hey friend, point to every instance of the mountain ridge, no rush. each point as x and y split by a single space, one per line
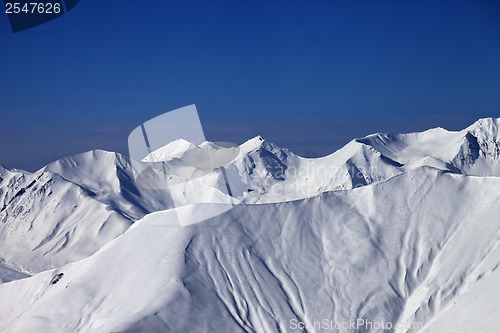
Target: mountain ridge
261 173
391 227
228 273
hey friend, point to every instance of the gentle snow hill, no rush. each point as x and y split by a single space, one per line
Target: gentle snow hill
399 250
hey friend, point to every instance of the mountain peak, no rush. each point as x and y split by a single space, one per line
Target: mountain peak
487 134
256 140
170 151
256 143
3 170
485 125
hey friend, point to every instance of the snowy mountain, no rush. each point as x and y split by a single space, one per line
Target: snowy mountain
341 255
174 149
472 151
68 210
398 229
47 221
277 174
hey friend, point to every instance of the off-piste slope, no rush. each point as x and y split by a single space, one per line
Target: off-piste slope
47 221
399 251
72 207
111 178
69 209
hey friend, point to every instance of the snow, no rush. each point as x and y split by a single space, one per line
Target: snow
47 222
174 149
8 274
473 151
476 309
341 255
3 171
390 228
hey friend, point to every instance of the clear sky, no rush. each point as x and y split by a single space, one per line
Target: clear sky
308 75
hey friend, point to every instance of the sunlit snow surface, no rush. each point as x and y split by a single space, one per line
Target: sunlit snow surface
391 228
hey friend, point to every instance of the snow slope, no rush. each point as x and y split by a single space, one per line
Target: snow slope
174 149
472 151
398 251
265 173
40 230
409 235
72 207
46 222
277 174
68 210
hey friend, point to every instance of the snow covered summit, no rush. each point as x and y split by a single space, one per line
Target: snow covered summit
391 228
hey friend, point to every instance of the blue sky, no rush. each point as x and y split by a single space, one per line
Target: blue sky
308 75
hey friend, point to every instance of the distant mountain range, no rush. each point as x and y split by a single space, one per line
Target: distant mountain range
391 228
